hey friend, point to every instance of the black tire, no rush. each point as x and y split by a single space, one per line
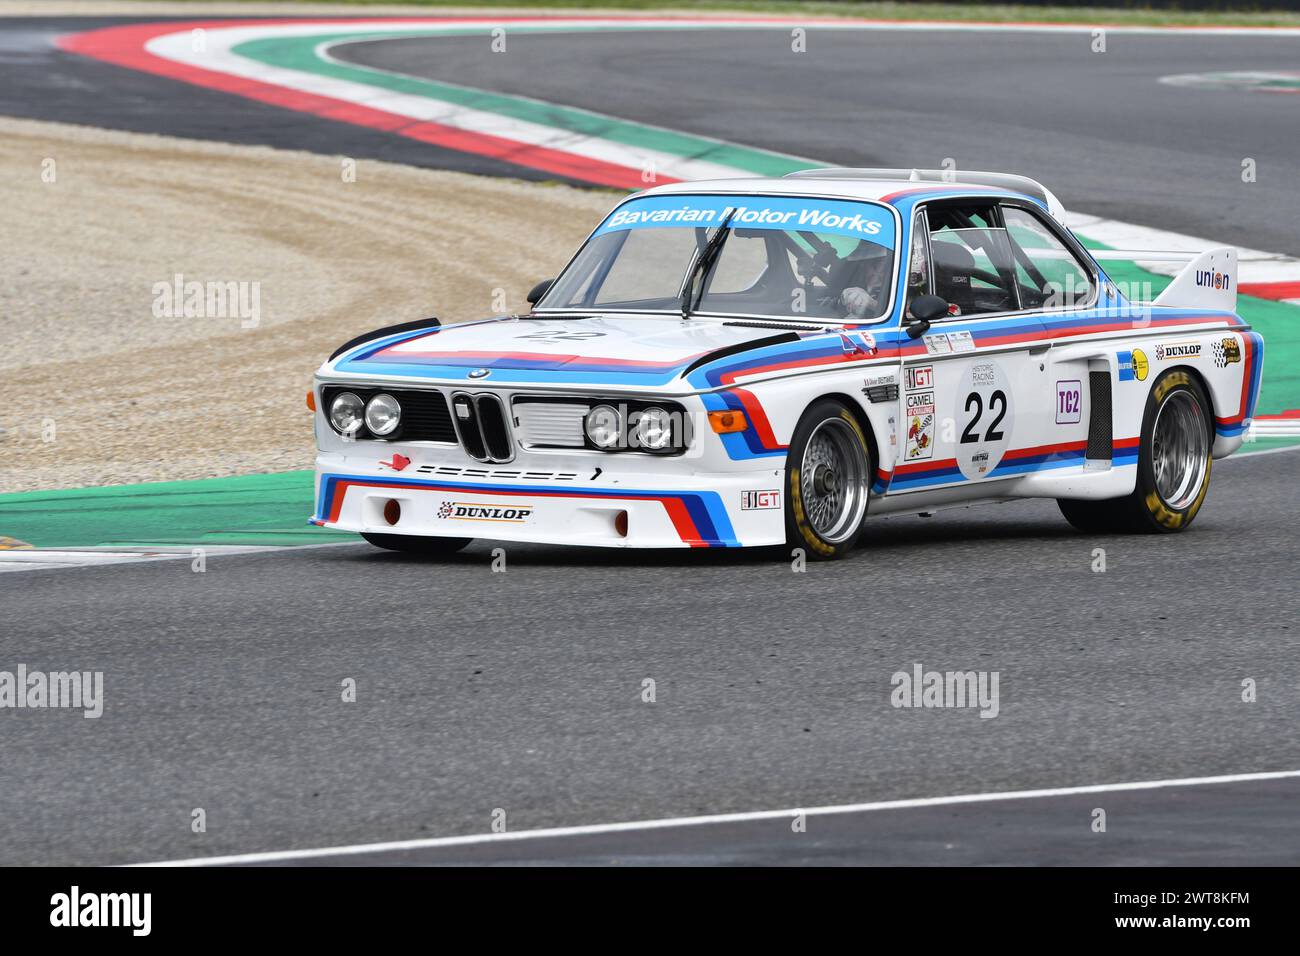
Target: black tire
814 521
1148 509
417 544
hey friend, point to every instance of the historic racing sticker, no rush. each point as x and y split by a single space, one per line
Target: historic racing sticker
985 418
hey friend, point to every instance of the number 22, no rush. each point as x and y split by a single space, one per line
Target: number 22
974 400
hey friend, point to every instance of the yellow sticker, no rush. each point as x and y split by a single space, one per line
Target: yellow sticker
1140 365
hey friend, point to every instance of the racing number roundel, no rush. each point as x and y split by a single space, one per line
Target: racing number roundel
985 415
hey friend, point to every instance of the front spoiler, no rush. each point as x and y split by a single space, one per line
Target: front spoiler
694 511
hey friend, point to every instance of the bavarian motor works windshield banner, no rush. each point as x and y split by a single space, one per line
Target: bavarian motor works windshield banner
860 220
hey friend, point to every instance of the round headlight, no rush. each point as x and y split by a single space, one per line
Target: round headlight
602 426
345 413
654 429
382 414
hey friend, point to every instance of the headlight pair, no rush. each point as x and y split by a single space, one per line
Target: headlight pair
381 415
648 429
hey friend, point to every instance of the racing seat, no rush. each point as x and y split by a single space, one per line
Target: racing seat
953 267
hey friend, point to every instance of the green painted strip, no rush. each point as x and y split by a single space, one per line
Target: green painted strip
251 509
300 53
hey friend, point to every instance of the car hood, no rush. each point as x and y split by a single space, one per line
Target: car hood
616 350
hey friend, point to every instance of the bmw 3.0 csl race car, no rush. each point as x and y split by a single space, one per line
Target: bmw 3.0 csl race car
766 361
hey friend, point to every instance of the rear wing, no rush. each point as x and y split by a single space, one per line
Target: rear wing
1208 281
962 177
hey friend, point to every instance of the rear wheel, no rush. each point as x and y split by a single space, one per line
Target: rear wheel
416 544
827 481
1174 461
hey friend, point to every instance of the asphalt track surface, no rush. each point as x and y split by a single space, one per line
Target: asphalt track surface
522 691
1098 128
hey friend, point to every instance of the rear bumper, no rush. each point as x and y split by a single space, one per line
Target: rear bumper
662 510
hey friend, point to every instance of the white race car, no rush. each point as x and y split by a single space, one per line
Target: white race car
767 361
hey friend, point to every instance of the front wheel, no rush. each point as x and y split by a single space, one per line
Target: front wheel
417 544
1174 460
828 472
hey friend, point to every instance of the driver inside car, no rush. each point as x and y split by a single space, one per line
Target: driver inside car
862 276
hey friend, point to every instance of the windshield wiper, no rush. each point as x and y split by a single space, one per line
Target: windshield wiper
690 301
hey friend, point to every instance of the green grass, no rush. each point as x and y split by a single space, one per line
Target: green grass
992 12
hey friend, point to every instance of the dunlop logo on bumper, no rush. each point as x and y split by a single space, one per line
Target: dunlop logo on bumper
473 511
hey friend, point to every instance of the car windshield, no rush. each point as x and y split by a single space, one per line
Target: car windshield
783 256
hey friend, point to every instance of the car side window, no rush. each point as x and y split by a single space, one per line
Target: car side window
1047 272
971 259
918 266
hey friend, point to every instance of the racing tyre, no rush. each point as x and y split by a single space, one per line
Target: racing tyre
828 479
417 544
1173 466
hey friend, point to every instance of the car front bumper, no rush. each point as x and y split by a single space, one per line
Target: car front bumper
618 509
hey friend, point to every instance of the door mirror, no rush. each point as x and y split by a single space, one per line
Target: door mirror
924 310
539 290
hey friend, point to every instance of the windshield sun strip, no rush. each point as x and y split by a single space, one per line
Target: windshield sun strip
884 316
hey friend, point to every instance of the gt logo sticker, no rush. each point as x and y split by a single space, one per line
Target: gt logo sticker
1227 352
472 511
920 413
989 418
1069 402
921 376
760 500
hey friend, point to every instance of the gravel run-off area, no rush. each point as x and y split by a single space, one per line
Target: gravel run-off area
107 380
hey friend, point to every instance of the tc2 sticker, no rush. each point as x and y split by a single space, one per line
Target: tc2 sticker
1069 402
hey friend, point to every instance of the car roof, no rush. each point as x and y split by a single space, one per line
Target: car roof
879 185
875 189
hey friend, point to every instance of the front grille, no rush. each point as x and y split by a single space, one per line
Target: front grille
480 421
425 416
1100 436
551 424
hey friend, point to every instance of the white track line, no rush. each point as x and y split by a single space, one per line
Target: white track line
714 819
1250 454
43 559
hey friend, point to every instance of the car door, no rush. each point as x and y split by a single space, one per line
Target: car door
1054 283
974 389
